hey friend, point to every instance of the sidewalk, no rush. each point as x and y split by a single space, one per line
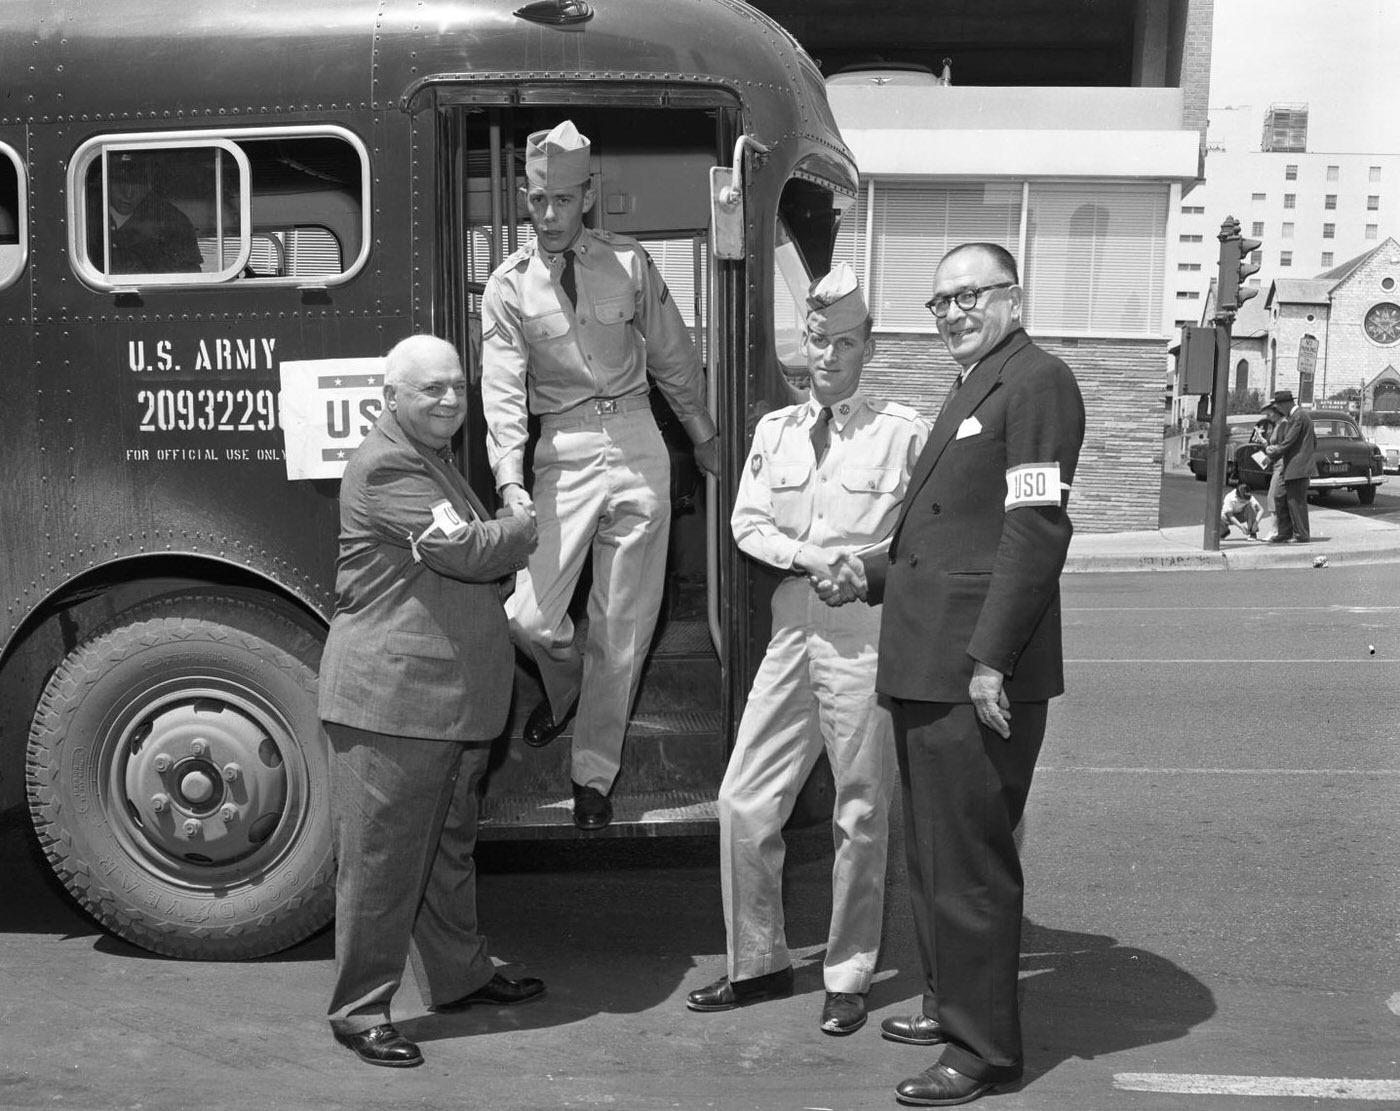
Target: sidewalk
1340 538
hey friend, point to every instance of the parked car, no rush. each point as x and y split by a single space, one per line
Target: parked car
1390 459
1345 461
1240 427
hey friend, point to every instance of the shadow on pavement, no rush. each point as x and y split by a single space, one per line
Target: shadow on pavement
1085 996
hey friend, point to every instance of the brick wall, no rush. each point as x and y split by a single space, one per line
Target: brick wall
1120 468
1195 69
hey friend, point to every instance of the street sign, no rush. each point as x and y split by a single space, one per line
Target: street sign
1307 355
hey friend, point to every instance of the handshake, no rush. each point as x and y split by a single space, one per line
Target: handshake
836 574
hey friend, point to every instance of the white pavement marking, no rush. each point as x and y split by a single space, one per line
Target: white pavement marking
1350 661
1304 1087
1215 771
1394 1003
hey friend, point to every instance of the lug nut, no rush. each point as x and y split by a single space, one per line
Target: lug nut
228 813
161 763
232 773
192 827
199 746
160 803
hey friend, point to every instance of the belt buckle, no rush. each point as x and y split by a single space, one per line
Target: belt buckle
605 406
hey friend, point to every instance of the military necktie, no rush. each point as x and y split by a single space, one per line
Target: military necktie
567 281
821 433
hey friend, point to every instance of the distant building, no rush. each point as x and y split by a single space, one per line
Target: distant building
1285 129
1311 210
1333 339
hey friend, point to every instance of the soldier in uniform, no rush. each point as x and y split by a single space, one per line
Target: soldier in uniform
824 484
571 326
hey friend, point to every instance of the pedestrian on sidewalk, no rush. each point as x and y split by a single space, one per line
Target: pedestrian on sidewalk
1241 509
1294 445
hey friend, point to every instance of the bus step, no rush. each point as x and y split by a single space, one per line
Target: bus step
680 812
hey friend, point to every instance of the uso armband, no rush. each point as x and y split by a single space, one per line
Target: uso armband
1033 484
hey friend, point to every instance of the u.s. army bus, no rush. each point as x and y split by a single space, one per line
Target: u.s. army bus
214 219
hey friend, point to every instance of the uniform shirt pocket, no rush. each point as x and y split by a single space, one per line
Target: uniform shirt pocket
546 326
615 310
424 645
872 496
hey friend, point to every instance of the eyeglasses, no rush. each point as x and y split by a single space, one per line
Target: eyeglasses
966 299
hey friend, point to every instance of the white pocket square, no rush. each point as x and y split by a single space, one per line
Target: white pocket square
969 427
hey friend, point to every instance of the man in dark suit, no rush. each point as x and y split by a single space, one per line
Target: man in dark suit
415 682
969 657
1295 444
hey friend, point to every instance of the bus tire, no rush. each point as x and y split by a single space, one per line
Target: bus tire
177 779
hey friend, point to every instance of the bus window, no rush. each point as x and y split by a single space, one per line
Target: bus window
808 215
12 217
273 204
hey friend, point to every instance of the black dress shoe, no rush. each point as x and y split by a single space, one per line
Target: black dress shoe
540 726
843 1013
499 991
914 1030
592 809
941 1086
382 1045
725 995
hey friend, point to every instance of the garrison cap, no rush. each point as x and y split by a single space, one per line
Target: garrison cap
557 159
835 303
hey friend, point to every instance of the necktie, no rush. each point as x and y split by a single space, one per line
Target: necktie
821 433
566 279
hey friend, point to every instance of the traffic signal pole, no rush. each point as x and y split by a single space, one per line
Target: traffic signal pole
1230 294
1217 447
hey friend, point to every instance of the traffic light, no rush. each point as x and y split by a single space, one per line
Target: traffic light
1235 266
1195 361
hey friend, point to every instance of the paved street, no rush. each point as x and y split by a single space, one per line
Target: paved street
1184 498
1213 861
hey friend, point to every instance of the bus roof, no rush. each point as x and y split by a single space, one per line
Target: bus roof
125 62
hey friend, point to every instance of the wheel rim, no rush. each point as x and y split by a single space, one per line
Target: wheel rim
201 778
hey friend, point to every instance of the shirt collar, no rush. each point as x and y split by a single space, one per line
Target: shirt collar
582 248
841 412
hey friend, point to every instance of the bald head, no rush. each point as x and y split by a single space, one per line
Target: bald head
416 351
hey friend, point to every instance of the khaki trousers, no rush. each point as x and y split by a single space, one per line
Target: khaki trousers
602 486
815 689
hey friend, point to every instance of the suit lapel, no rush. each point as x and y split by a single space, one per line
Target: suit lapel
958 407
455 482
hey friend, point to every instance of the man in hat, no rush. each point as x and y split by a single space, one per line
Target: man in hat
970 655
1294 445
571 326
146 234
821 490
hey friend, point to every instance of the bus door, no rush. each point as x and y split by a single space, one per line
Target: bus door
651 174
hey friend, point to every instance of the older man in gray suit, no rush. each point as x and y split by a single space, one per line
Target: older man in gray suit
415 682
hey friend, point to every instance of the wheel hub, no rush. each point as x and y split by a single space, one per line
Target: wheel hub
204 780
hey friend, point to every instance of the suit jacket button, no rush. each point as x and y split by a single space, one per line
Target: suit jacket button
913 559
937 509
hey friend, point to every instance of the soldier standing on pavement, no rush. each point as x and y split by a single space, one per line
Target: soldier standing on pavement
571 326
824 483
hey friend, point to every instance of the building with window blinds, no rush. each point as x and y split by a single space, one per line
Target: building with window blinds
1084 187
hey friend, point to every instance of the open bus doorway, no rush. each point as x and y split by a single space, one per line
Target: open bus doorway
651 176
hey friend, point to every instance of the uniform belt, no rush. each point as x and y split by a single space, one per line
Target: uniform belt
598 409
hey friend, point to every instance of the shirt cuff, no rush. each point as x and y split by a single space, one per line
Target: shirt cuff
510 469
699 428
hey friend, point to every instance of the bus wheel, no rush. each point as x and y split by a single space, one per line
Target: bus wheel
177 779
